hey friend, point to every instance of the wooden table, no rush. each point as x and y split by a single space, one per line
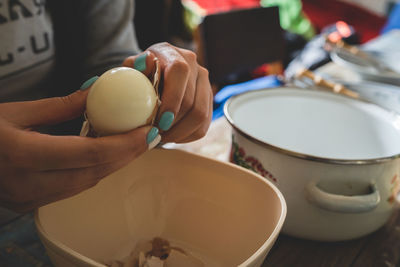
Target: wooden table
381 248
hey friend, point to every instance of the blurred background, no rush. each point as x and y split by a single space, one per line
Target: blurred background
255 44
237 42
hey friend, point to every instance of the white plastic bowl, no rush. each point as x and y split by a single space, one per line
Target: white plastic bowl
227 214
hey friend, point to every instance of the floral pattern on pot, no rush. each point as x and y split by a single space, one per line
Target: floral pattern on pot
239 157
395 189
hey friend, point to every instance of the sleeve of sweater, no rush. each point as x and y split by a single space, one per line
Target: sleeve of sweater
109 35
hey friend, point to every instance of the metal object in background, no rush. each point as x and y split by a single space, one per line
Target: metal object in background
325 84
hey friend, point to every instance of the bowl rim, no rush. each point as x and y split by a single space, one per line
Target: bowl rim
279 224
252 258
60 246
295 154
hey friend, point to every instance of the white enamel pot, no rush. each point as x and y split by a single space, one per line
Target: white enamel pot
335 159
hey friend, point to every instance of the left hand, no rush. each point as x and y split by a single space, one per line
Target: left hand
37 169
186 102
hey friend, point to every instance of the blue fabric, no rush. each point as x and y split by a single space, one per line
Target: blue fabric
231 90
20 245
393 21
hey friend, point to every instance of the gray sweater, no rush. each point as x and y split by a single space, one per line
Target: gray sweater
39 38
49 48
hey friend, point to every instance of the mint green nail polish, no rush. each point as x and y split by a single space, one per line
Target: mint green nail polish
140 62
88 83
152 135
166 120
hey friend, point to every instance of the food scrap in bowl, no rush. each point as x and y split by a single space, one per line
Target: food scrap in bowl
158 253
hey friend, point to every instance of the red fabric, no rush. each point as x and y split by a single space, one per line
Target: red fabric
323 13
216 6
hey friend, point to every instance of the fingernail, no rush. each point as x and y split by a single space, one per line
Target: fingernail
140 62
166 120
88 83
155 142
151 136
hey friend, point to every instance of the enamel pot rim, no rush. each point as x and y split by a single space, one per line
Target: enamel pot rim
294 153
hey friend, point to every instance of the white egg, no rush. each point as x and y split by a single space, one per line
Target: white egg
121 100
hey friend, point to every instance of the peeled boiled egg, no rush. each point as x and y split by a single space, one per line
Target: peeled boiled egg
121 100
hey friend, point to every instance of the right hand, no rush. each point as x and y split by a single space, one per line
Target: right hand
186 92
36 169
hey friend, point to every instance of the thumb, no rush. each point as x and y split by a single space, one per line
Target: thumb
45 111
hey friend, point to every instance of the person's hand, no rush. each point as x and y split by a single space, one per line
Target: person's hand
37 169
186 102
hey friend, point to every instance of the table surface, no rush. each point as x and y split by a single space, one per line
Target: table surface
381 248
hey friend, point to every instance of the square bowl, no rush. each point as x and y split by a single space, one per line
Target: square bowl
222 214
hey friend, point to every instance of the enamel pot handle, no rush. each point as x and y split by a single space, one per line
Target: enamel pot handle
342 203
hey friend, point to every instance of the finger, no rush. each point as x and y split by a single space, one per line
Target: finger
198 134
66 183
46 152
71 179
189 96
30 206
144 62
201 131
44 187
200 112
45 111
176 75
27 206
50 186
